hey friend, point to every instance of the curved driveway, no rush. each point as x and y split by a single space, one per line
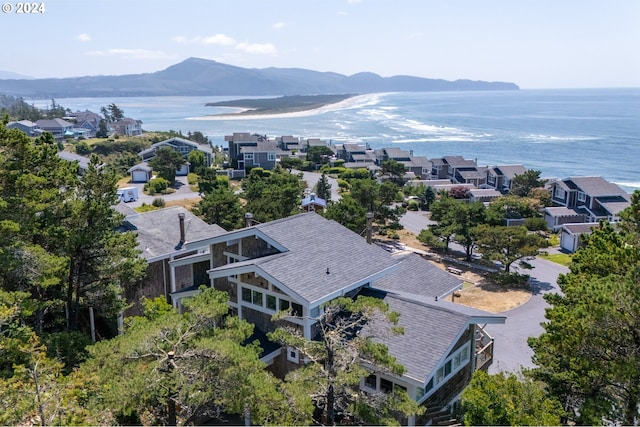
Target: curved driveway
511 351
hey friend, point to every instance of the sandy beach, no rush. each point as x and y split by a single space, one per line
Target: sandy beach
241 115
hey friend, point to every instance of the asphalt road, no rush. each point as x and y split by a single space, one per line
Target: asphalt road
511 351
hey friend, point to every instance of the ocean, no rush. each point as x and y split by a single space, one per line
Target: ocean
561 132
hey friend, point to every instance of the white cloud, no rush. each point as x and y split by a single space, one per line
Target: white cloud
129 53
278 25
218 39
84 37
257 48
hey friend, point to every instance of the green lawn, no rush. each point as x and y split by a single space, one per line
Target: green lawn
562 259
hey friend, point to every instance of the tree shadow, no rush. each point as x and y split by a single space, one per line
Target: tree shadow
538 287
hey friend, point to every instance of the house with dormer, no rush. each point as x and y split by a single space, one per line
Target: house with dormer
459 170
500 178
87 121
180 145
591 196
301 262
127 127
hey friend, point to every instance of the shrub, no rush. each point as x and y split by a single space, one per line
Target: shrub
413 205
157 185
343 185
158 202
535 224
192 178
83 148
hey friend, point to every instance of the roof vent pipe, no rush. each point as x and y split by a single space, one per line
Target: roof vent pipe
182 232
369 216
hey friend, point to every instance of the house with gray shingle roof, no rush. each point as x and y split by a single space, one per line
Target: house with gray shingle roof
180 145
162 236
301 262
59 128
26 126
593 196
501 177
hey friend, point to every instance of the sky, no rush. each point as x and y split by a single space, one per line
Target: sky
533 43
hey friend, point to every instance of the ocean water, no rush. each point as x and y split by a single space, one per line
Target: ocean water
568 132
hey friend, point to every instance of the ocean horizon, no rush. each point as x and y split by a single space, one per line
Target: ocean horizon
561 132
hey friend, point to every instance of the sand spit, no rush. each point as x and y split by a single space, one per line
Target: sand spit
342 105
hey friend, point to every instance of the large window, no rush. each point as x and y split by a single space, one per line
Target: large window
296 309
271 157
582 196
453 364
254 297
271 302
559 193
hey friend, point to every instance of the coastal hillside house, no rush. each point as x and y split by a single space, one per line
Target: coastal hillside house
289 143
162 235
299 144
126 127
303 261
418 166
356 156
458 170
182 146
27 126
264 155
239 140
59 128
87 120
501 177
593 196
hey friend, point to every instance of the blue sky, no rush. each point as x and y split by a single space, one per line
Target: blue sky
533 43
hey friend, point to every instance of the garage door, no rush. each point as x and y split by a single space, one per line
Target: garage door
139 176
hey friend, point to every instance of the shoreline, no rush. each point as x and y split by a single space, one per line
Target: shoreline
245 114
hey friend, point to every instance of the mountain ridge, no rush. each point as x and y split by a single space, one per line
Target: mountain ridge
203 77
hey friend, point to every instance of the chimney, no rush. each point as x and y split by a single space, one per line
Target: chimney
369 216
182 233
248 217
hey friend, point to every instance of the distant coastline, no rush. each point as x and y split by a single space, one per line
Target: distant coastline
284 106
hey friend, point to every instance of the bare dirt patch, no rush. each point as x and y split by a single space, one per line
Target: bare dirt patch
478 292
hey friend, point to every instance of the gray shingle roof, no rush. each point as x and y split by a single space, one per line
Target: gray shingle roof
581 228
315 244
159 231
509 171
418 276
430 330
595 186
